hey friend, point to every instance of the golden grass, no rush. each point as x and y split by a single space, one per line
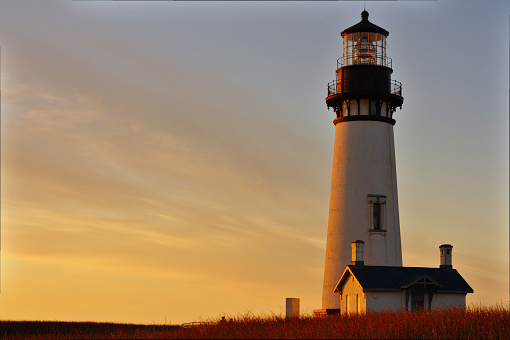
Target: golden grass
473 323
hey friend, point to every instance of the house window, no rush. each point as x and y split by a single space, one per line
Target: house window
376 209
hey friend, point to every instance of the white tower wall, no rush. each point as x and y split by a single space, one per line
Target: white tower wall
363 165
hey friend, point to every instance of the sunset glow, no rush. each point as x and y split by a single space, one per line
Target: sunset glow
170 161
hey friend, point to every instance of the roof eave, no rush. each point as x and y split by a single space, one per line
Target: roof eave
340 282
454 291
365 26
400 289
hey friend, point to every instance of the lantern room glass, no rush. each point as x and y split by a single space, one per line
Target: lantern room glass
365 48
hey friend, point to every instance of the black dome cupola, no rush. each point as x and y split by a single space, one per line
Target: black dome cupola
363 89
365 26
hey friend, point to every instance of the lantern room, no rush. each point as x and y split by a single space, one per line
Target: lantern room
364 48
365 44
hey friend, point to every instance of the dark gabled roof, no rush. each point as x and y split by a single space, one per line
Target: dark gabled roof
365 26
382 278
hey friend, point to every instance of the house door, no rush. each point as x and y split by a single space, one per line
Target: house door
417 301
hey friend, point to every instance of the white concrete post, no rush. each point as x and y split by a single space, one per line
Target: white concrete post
292 308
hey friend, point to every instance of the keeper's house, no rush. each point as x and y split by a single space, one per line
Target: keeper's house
377 288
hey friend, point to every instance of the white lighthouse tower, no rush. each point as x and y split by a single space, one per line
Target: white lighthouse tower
363 203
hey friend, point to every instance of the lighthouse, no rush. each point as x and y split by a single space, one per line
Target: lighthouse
363 201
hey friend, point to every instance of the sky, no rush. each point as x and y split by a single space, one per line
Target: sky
170 161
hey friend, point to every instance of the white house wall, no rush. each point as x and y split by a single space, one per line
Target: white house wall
448 300
352 299
381 301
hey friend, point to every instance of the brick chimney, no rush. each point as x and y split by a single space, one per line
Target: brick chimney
445 256
357 253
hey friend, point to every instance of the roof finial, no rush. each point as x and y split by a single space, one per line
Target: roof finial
364 15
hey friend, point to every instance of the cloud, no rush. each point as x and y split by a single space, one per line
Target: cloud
88 182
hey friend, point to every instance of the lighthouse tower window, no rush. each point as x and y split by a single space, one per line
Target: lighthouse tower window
376 210
377 215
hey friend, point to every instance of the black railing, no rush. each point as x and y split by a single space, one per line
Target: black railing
395 87
377 60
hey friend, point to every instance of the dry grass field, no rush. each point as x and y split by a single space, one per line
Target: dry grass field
475 323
